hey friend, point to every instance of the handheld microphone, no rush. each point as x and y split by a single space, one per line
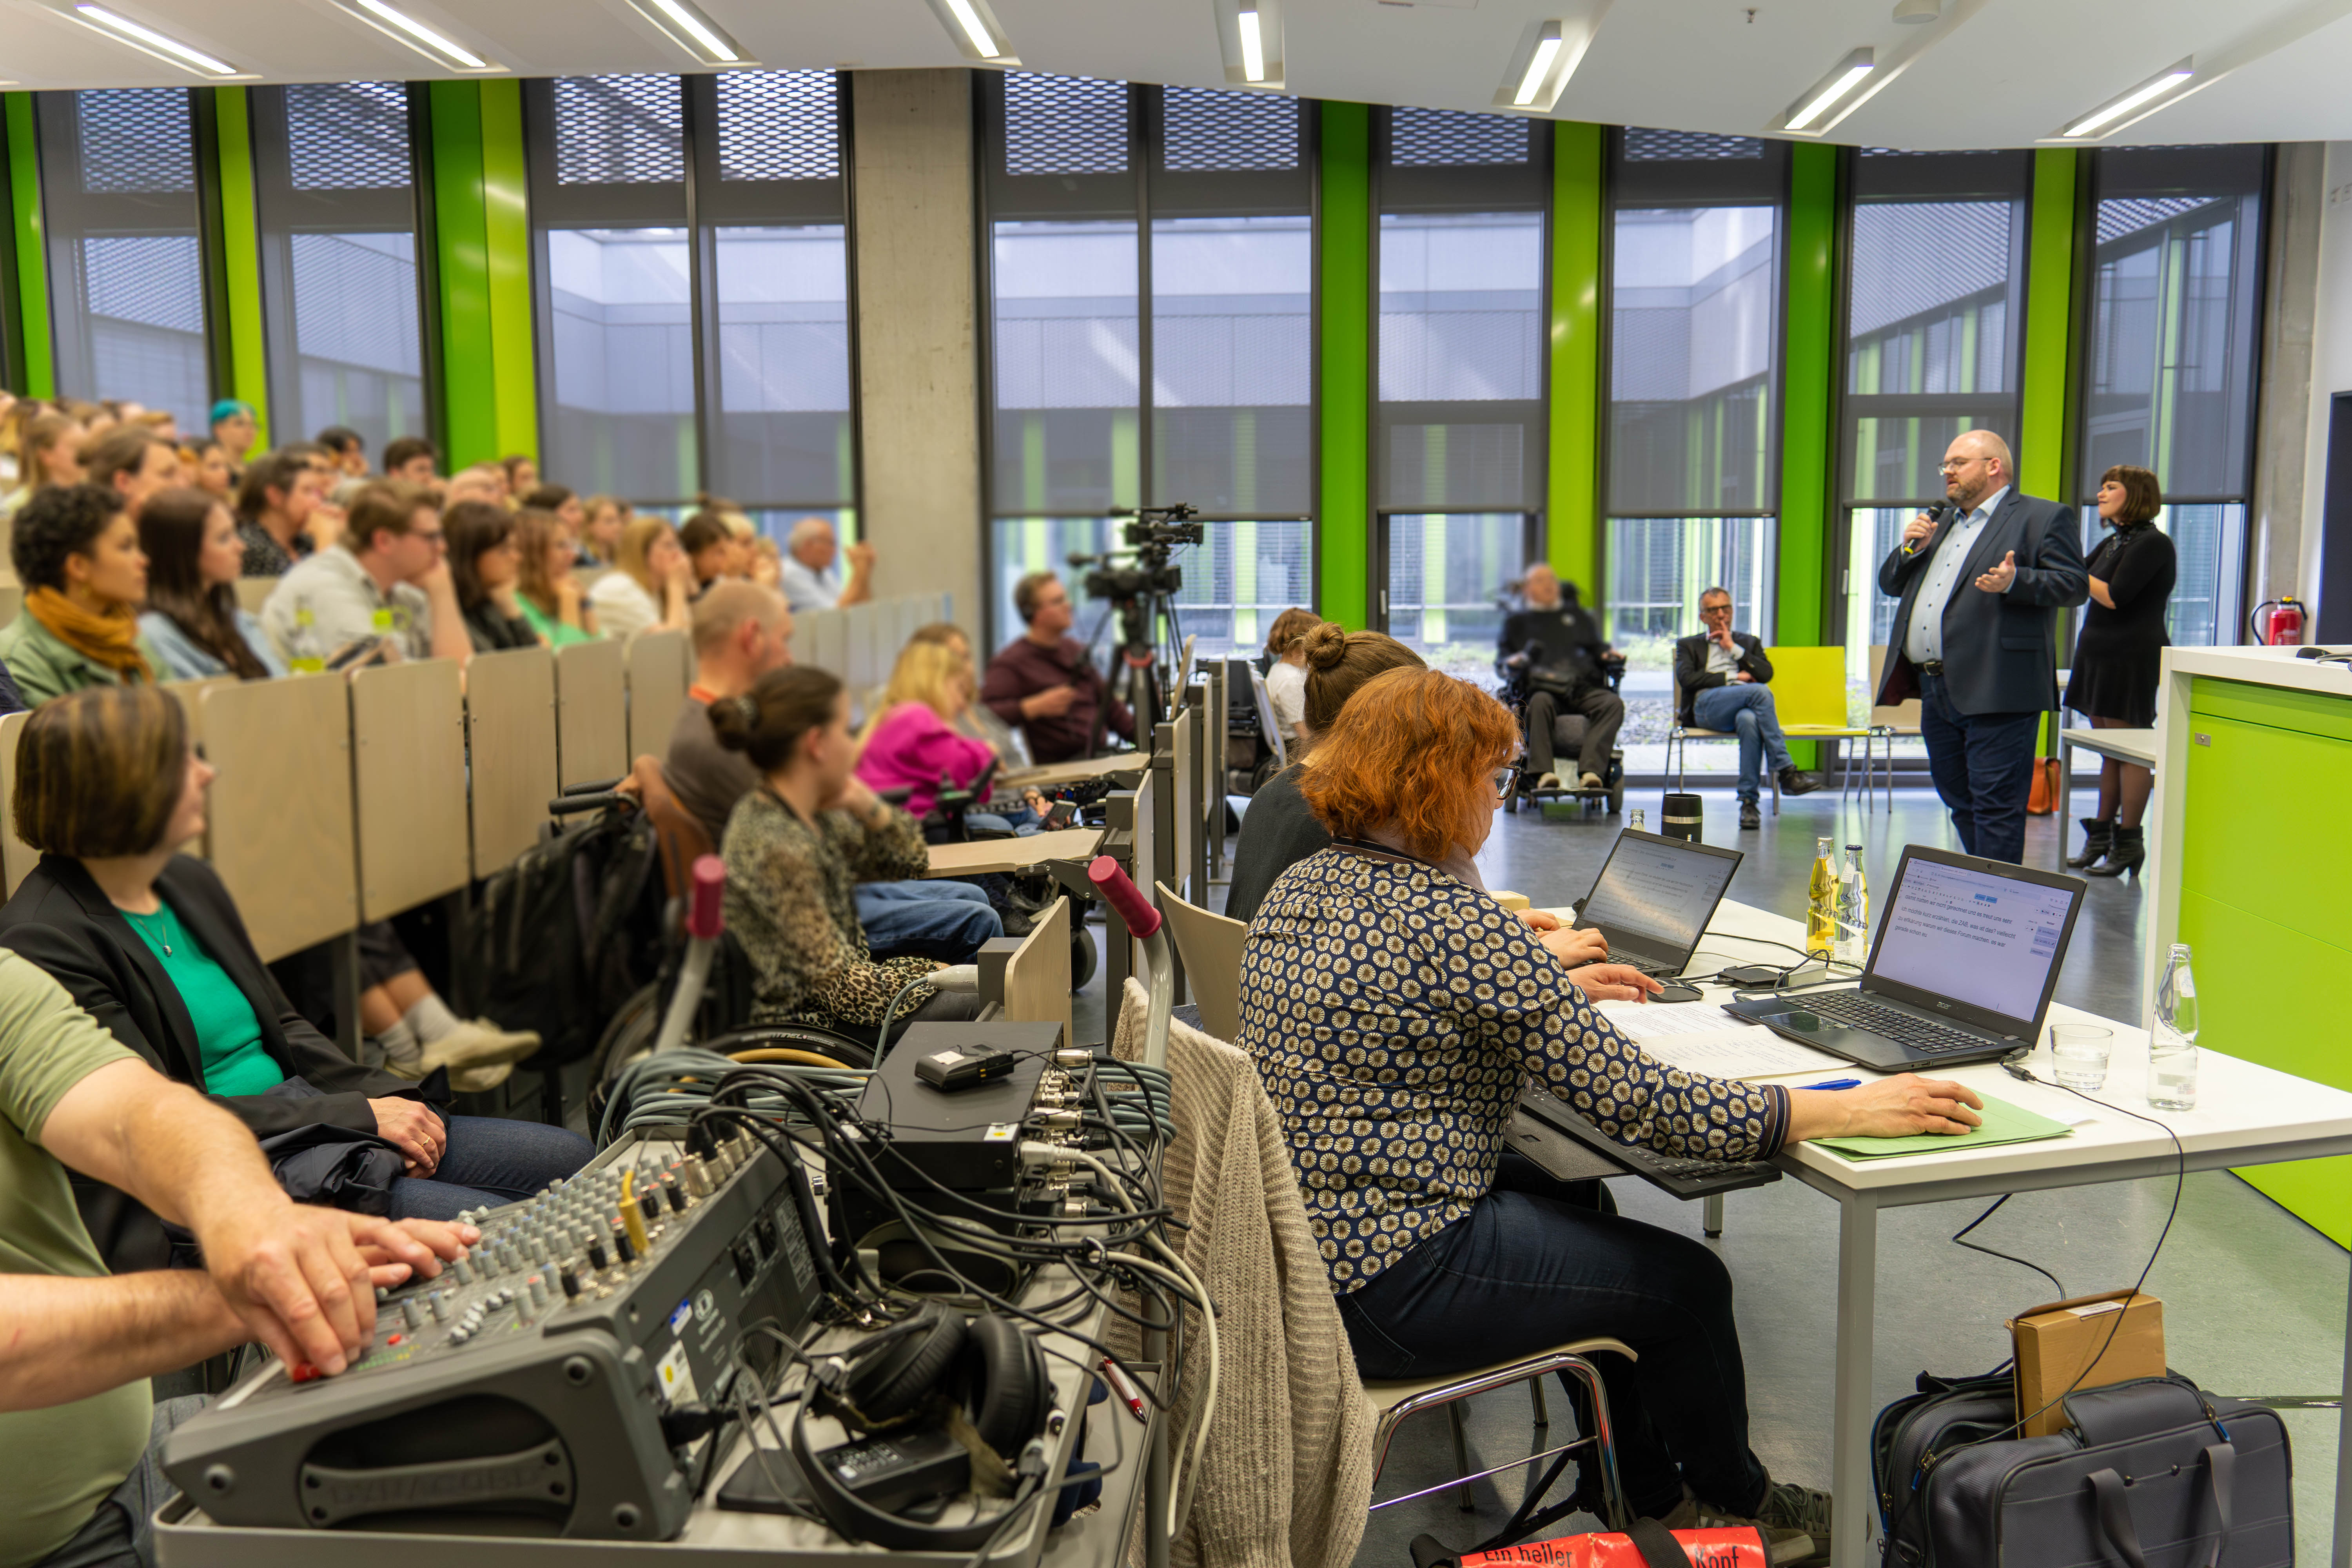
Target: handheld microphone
1936 515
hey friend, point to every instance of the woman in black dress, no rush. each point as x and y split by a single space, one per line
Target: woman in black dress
2117 659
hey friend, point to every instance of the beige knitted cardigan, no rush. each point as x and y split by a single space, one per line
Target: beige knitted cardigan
1288 1468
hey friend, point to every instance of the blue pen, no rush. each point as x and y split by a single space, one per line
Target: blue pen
1838 1083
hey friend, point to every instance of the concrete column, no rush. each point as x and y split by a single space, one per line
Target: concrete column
917 333
2290 305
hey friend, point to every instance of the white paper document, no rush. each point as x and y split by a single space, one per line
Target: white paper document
1655 1020
1701 1037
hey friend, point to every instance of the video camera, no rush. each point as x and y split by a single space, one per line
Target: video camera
1142 567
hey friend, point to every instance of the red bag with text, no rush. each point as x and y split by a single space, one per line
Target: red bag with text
1648 1544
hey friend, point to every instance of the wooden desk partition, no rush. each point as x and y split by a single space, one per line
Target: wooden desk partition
1186 820
511 739
191 697
408 772
866 670
592 736
252 593
659 668
1037 978
281 808
821 637
17 859
12 602
983 856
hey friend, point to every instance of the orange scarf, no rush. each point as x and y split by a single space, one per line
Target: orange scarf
110 639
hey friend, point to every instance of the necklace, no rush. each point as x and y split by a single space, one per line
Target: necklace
139 924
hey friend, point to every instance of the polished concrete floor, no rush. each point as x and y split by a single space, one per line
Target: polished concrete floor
2254 1299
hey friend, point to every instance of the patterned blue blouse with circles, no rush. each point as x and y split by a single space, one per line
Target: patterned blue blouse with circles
1393 1013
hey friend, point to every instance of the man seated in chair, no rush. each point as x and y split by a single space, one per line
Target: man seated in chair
1725 684
1563 648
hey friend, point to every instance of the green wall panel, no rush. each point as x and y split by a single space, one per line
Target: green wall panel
248 356
1344 238
31 247
507 215
2049 381
1808 446
469 389
1572 488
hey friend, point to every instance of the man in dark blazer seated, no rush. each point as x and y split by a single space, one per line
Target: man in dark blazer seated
1973 637
1725 682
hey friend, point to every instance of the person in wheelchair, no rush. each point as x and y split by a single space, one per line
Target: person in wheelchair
1556 647
1725 680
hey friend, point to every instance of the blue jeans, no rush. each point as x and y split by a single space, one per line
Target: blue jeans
490 1160
122 1533
939 919
1983 767
1745 709
1529 1268
1020 822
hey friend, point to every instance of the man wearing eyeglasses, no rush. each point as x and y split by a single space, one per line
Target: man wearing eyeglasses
1974 638
1724 682
387 584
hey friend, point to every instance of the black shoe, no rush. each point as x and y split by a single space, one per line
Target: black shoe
1795 783
1748 815
2128 853
2097 834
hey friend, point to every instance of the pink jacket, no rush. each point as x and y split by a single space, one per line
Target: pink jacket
911 747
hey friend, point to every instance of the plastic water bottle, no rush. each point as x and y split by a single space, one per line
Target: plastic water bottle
1821 904
1639 822
303 653
1853 910
2172 1043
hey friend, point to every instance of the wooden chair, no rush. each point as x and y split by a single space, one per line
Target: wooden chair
1889 723
1211 947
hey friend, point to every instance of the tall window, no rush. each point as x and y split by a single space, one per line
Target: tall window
336 186
694 296
2170 377
1152 281
1459 425
1933 322
1694 306
126 272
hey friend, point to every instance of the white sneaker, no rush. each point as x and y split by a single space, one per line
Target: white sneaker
478 1044
480 1081
1549 781
1592 781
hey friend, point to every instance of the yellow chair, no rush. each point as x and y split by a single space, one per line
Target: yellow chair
1808 693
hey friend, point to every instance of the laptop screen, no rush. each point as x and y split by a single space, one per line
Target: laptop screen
1974 936
1657 893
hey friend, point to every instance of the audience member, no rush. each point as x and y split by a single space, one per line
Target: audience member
978 719
522 475
1563 646
149 941
546 592
1443 1253
206 464
386 583
49 454
1725 679
811 579
1285 676
911 742
766 562
78 1343
347 447
276 501
412 459
602 519
565 506
164 424
233 426
651 586
132 463
192 619
77 553
483 481
710 548
1044 682
484 568
795 848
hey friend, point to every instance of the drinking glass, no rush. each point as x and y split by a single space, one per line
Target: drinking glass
2079 1052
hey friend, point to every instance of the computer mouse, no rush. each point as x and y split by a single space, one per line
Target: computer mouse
1676 991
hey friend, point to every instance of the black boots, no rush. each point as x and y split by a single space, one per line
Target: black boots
2097 834
1793 782
2128 853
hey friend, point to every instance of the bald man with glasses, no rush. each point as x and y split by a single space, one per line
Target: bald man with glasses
1975 640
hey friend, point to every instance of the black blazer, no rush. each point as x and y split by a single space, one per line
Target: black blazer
62 921
1692 675
2000 650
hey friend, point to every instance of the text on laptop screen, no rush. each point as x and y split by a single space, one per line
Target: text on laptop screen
1985 940
1659 895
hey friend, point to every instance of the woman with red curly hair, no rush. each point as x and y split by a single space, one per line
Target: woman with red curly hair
1395 1009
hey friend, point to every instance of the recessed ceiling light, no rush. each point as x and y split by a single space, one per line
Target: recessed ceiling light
1542 61
692 31
1914 12
1539 65
1253 44
974 28
1805 115
151 42
1249 40
2115 115
407 29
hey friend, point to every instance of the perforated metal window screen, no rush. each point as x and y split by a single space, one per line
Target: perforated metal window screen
136 140
1207 132
619 131
778 125
1441 138
2119 218
1064 125
153 279
1687 146
348 136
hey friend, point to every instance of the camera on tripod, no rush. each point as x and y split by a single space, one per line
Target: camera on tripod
1143 566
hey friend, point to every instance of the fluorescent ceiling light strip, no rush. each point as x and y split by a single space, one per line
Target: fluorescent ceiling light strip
154 39
1547 51
973 27
1847 81
699 29
1253 45
2130 102
423 34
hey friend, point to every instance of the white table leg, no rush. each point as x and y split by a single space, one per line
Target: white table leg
1850 1412
2342 1555
2065 788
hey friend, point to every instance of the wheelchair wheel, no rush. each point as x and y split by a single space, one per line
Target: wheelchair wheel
1084 959
1616 782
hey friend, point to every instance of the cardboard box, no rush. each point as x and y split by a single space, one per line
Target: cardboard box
2054 1342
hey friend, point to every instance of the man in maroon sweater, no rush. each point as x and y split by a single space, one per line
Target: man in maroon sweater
1043 680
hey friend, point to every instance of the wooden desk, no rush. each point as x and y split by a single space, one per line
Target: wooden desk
1050 775
282 828
1003 855
659 669
408 768
510 749
17 857
591 713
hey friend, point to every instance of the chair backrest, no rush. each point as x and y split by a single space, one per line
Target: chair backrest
1903 715
1210 946
677 831
1809 685
1266 725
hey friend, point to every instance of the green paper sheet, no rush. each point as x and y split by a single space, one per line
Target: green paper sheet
2004 1123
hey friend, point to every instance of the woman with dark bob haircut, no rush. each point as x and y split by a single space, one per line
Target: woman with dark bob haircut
1393 1010
77 553
484 568
2119 658
150 942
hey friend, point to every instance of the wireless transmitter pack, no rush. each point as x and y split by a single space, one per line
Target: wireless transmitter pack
963 1066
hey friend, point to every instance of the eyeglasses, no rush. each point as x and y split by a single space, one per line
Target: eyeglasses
1954 465
1507 783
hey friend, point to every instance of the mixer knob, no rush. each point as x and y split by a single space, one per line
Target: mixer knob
440 1307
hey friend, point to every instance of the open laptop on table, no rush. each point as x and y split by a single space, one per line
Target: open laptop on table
1961 971
1653 897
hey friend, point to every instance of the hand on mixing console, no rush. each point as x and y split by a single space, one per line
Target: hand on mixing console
294 1276
447 1240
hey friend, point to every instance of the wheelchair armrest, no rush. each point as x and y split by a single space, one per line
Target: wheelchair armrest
897 797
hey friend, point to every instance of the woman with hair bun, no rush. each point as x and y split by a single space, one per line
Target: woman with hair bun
2118 657
795 849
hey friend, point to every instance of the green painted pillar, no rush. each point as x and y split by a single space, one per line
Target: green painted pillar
31 328
2042 456
1572 489
248 355
1344 239
505 191
1809 377
481 218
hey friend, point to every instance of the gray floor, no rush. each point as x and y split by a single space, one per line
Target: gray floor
2254 1299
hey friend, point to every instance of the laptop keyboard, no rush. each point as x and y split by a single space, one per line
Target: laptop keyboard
1852 1007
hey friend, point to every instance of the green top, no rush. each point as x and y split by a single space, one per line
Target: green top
555 633
45 665
62 1461
227 1027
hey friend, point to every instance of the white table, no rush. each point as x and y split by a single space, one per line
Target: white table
2246 1115
2124 745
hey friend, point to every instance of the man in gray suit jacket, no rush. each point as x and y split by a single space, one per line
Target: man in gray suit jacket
1974 639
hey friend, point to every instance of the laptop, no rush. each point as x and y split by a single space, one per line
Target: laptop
1653 897
1961 970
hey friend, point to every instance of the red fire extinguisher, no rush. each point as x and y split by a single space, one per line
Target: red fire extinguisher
2282 626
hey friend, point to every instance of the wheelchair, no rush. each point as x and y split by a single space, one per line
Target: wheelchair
1567 738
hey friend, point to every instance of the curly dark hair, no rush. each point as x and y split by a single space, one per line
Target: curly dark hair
59 521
